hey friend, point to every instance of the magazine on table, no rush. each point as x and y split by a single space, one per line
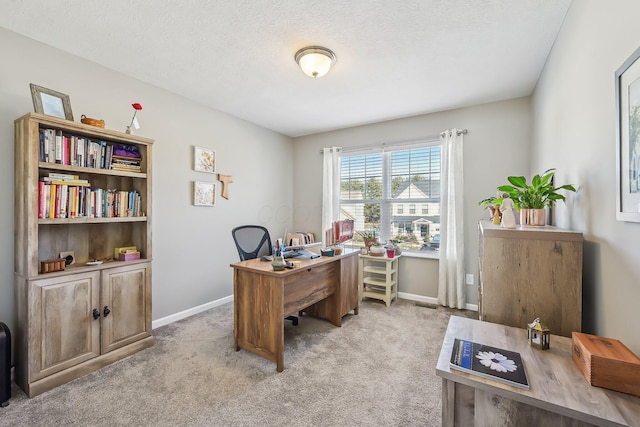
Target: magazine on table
489 362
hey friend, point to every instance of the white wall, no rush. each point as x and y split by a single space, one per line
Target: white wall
574 130
192 246
497 131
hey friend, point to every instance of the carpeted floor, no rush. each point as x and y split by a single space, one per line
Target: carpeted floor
378 369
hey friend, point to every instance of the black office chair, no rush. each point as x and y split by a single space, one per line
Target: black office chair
253 241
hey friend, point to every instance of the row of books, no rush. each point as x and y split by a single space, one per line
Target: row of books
70 199
57 147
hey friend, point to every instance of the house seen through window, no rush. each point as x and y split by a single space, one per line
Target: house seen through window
380 192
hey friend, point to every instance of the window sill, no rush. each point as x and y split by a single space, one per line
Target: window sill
426 254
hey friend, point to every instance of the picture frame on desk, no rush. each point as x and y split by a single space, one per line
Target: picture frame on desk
51 102
204 160
204 193
628 139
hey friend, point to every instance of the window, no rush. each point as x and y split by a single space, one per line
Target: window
375 187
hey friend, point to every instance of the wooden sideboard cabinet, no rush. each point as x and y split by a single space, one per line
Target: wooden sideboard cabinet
530 272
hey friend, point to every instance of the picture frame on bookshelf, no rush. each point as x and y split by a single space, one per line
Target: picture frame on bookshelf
204 160
204 193
51 102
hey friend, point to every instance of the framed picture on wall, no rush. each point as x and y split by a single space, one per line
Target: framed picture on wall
204 193
204 160
628 139
50 102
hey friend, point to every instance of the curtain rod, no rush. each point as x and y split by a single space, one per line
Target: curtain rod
395 144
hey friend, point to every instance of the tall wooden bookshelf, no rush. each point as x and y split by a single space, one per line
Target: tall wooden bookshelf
87 316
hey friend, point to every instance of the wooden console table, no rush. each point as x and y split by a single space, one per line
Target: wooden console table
325 287
559 395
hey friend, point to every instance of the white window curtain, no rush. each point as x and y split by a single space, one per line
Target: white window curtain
330 188
451 290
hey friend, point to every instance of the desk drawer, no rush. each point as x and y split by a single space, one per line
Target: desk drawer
308 286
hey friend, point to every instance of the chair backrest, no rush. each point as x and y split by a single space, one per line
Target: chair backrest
252 241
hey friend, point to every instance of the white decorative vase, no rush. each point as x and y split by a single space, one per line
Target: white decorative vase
535 217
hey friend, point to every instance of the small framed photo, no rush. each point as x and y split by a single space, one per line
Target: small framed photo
628 139
204 160
204 193
50 102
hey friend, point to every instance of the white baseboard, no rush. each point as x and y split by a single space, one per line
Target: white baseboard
431 300
190 312
204 307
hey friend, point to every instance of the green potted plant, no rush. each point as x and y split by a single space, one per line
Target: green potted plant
369 236
492 204
532 199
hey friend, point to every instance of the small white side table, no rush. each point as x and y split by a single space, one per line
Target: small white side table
378 277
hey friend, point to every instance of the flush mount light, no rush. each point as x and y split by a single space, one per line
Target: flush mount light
315 61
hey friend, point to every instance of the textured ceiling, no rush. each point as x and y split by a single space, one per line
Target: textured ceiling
395 58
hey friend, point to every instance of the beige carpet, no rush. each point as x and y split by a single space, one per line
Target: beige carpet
378 369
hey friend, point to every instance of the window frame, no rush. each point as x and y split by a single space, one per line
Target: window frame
386 202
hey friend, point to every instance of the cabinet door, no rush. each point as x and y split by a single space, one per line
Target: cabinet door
63 330
126 297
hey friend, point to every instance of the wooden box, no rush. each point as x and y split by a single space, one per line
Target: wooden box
128 256
606 363
51 265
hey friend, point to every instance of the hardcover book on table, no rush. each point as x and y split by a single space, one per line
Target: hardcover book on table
489 362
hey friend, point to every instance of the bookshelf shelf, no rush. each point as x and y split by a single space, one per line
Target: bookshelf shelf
79 169
75 321
53 221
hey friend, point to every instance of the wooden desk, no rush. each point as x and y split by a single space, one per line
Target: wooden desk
559 394
325 287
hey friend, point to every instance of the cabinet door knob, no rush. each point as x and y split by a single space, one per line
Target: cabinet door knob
106 310
96 313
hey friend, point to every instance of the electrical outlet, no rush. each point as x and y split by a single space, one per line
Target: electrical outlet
468 279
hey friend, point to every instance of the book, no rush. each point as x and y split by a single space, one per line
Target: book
489 362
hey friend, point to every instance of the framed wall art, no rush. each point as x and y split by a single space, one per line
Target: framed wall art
50 102
628 139
204 160
204 193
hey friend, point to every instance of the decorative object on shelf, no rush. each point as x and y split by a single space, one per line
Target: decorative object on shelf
92 122
225 180
391 250
69 257
370 237
51 102
315 61
532 199
492 204
204 193
204 160
51 265
134 120
628 139
376 250
508 217
538 335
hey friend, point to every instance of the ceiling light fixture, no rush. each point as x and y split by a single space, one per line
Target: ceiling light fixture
315 61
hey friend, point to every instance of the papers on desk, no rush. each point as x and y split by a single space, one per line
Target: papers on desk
301 254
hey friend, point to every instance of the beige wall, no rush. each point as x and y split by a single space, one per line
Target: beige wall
497 131
574 130
192 245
